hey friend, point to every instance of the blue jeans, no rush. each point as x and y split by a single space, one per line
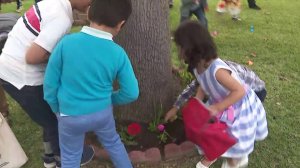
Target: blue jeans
199 13
19 3
72 130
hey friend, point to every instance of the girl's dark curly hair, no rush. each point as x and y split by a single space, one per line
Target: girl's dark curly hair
196 43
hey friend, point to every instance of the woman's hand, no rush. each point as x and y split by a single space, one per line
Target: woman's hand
171 114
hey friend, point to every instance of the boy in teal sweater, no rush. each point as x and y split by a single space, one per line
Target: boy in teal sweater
78 83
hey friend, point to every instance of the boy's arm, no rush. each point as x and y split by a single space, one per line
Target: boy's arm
36 54
188 92
52 78
50 34
128 84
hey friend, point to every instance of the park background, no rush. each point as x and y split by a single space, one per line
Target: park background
273 48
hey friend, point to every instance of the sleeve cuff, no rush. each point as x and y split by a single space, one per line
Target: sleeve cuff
54 107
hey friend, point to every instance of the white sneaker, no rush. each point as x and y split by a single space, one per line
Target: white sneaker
242 163
19 10
200 165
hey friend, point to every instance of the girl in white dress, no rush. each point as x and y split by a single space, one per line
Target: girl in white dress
229 98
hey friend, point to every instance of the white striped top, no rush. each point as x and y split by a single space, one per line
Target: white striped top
249 122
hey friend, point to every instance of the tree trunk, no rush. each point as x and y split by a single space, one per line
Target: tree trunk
146 38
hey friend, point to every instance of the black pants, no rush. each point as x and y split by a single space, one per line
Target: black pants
31 99
261 95
251 3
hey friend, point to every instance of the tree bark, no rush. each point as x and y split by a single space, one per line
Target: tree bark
146 38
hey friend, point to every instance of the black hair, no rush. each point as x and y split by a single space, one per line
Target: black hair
196 43
109 12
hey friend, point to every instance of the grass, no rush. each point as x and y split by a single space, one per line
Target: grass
276 43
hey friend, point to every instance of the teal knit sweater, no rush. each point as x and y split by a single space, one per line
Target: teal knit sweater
81 71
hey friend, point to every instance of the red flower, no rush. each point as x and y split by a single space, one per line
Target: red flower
133 129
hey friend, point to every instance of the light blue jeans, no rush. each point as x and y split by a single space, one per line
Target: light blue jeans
72 131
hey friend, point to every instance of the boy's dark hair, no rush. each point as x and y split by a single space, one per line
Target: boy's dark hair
196 43
109 12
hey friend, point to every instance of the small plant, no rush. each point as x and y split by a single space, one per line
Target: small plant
128 135
157 126
164 135
186 77
157 120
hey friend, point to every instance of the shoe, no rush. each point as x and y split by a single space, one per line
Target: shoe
255 7
49 161
235 18
57 162
200 165
19 9
87 154
242 163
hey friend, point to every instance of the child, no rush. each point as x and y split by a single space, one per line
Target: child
246 74
232 6
196 7
228 97
83 102
19 6
22 65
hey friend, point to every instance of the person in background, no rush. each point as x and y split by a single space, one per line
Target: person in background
83 102
19 6
194 7
231 6
23 61
252 5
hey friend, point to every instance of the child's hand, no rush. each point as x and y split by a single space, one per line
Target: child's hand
171 115
213 109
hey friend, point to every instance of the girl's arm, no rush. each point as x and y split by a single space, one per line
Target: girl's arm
200 93
237 91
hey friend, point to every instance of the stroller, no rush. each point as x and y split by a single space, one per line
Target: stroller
7 21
